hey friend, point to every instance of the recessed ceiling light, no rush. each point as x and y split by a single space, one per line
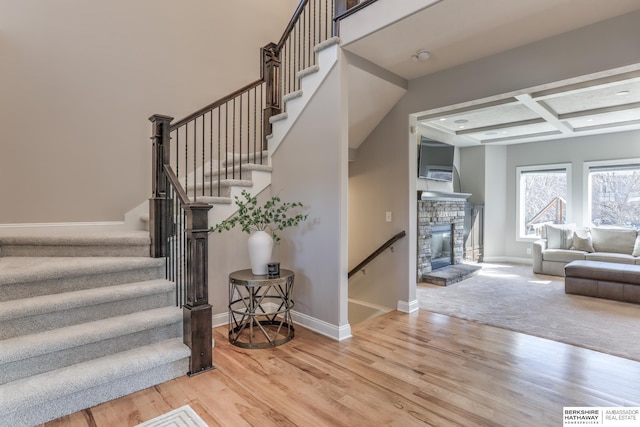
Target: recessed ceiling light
589 120
443 119
461 121
622 93
461 127
504 131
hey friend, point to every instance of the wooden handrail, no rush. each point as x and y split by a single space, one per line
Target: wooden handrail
377 252
292 24
354 9
217 103
175 183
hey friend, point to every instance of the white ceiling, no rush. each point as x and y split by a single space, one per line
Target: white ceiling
486 27
460 31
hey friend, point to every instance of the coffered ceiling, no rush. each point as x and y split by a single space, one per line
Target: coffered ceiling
609 104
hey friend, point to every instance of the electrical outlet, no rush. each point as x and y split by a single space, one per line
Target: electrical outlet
528 251
388 217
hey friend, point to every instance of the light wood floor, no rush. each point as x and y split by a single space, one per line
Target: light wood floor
398 369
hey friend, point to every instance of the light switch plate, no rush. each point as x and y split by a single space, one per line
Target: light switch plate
388 217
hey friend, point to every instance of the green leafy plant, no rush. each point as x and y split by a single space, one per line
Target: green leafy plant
273 216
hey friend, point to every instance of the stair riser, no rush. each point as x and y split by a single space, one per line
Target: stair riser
237 174
74 251
69 356
59 319
225 188
61 405
246 158
67 284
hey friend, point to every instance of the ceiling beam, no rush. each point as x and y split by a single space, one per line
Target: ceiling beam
542 110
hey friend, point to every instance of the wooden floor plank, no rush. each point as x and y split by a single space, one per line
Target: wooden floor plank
398 370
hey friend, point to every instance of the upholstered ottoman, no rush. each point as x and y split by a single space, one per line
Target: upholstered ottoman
601 279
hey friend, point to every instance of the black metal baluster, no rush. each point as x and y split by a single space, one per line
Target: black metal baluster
248 124
226 140
211 153
255 130
219 155
233 140
186 156
203 150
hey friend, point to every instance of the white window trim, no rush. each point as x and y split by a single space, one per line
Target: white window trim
586 184
520 202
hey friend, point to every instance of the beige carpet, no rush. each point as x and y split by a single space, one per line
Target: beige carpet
512 297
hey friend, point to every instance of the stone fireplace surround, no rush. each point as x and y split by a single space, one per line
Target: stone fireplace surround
439 208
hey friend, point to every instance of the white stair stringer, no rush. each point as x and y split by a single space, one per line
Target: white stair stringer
311 79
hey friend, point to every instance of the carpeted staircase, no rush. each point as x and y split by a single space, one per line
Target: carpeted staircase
83 319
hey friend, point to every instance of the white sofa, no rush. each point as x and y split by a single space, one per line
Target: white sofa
561 244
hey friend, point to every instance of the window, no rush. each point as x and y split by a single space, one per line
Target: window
543 197
613 193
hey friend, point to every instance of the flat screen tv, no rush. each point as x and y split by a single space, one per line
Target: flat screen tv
435 160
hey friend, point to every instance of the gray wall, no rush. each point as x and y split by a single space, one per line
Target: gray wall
80 79
388 159
310 165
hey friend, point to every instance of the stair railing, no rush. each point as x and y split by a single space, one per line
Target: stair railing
212 147
179 231
389 243
197 158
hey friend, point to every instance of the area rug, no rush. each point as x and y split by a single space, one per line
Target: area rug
512 297
181 417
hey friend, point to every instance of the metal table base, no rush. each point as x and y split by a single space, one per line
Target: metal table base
260 309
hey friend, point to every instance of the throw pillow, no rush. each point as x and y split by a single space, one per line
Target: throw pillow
616 240
559 236
636 247
582 243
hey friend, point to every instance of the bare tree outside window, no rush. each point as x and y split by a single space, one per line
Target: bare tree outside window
615 197
544 199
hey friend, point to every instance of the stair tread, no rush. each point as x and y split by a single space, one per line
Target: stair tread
291 96
278 117
53 238
26 269
38 305
214 200
26 346
307 71
38 389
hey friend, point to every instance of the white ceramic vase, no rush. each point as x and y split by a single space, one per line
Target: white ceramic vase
260 247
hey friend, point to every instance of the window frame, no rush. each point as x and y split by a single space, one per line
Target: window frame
586 181
520 236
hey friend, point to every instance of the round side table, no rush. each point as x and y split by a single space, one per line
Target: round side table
260 309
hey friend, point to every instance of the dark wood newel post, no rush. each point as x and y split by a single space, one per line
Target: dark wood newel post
270 70
158 226
196 312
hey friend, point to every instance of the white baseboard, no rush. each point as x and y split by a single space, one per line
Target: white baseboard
26 228
512 260
337 333
221 319
408 307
